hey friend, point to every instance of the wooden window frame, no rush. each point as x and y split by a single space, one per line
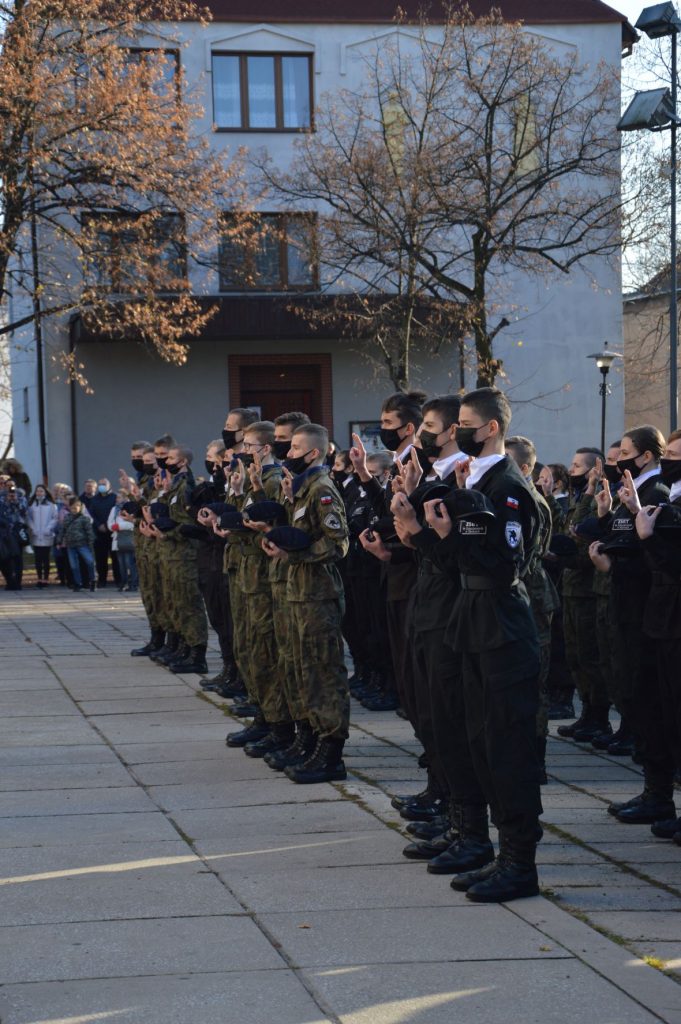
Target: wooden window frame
284 286
117 243
168 51
245 126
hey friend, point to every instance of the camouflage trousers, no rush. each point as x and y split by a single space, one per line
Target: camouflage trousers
263 657
237 602
185 607
319 665
281 617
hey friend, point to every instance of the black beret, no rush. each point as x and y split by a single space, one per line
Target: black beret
219 507
266 512
589 529
158 508
385 528
289 538
232 521
164 523
624 542
203 494
467 503
669 518
429 491
132 508
563 546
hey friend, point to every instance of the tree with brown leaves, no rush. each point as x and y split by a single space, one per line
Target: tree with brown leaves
108 196
471 149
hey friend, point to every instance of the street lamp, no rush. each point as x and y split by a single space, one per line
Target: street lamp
655 110
604 361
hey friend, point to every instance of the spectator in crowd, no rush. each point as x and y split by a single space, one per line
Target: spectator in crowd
122 544
88 493
100 506
42 519
77 536
14 533
15 471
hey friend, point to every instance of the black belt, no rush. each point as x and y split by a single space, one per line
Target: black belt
484 583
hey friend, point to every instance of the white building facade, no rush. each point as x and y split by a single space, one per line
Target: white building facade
256 352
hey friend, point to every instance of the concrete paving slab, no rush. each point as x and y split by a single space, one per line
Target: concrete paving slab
669 953
270 789
236 854
668 873
629 898
262 997
641 852
195 773
562 991
292 819
640 925
53 730
95 691
24 778
565 853
91 753
166 885
75 829
176 727
117 800
117 949
164 702
599 875
41 679
338 938
159 752
35 703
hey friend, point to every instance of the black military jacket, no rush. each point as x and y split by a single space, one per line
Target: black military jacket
662 551
493 608
630 575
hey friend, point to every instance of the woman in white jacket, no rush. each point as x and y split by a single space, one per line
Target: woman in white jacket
42 524
122 544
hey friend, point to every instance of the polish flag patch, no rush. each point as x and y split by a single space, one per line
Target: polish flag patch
326 499
513 503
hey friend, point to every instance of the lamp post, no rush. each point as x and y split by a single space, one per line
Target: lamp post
656 110
604 361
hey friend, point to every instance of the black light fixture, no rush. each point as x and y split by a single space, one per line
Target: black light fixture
656 110
604 361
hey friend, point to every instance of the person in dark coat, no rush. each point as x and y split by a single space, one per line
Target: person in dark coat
99 508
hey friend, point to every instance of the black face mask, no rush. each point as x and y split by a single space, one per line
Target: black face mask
297 465
465 439
612 475
210 467
246 458
338 475
229 437
577 481
162 461
280 449
429 445
138 465
219 476
149 469
391 439
173 469
629 464
671 471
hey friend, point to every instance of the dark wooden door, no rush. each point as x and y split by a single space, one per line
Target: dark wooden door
278 389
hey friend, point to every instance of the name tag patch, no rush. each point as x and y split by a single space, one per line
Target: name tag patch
470 529
620 525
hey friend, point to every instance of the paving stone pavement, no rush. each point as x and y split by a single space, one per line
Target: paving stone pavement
150 875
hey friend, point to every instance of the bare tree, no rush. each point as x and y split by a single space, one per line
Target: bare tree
472 148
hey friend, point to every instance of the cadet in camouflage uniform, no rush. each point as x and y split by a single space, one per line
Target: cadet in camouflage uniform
315 595
144 462
272 728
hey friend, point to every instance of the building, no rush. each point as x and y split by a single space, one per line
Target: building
257 351
646 354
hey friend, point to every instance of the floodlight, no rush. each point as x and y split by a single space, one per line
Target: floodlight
652 109
659 20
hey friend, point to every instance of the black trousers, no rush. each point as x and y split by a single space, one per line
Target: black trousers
214 587
401 640
102 553
442 717
669 677
501 700
42 561
648 708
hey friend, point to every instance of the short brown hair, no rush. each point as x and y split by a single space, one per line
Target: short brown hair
263 430
317 434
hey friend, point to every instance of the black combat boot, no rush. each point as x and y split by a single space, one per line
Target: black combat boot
641 798
582 722
299 751
253 732
168 650
324 765
428 829
514 876
224 677
234 687
622 744
666 829
194 662
152 647
598 725
427 849
473 849
358 678
463 882
280 737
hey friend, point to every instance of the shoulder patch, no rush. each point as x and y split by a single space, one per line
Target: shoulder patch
514 534
326 499
512 502
332 522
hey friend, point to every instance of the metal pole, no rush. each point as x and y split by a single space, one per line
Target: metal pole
673 312
38 326
604 396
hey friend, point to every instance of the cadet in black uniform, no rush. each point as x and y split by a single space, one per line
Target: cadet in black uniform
621 555
493 629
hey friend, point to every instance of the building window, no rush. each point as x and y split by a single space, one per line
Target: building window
167 60
262 92
277 254
126 258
